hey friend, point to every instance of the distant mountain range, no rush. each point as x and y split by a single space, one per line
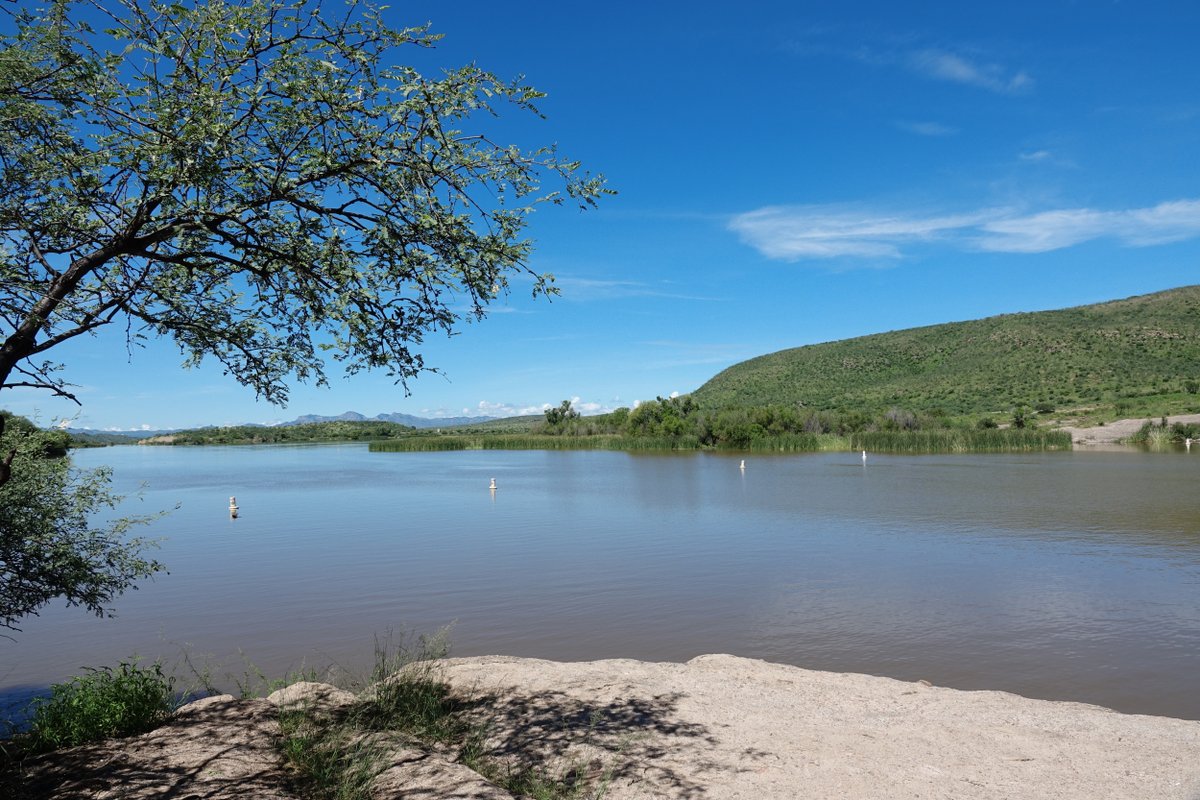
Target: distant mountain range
111 437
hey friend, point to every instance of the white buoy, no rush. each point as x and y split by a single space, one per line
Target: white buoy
233 507
864 456
742 466
493 486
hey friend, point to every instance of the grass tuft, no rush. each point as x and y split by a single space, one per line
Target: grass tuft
406 702
331 761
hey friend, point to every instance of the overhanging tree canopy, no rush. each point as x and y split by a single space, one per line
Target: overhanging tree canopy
260 182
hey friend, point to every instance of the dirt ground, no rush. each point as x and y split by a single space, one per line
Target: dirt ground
1113 432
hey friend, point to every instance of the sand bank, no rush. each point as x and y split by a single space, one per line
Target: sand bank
716 727
726 727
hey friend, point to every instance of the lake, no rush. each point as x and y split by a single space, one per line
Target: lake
1060 575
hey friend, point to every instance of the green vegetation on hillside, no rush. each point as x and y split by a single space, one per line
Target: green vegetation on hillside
1133 357
338 431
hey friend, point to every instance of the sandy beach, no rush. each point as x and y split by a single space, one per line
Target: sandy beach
717 727
720 726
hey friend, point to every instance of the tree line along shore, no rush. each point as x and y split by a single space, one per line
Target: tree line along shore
682 424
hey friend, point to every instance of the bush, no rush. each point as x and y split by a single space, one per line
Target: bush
104 703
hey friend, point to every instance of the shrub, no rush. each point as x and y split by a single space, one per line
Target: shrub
104 703
899 419
1181 431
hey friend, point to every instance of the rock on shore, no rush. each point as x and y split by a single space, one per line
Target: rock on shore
716 727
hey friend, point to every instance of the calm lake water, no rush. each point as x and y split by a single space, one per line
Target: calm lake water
1066 575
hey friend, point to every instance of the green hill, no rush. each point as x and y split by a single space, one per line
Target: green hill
1134 356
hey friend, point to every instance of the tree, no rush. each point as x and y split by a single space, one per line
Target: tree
258 181
261 182
48 548
563 415
1022 418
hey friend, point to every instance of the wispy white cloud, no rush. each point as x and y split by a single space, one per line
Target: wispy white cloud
668 354
1046 157
584 289
815 232
935 63
790 233
935 129
468 312
1053 230
946 66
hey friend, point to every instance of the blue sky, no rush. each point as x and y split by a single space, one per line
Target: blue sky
788 173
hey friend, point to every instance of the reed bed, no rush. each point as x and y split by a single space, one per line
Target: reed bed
800 443
1159 437
936 441
1008 440
418 444
421 444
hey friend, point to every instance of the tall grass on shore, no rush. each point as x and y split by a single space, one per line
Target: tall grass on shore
800 443
1162 434
1007 440
948 440
403 702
